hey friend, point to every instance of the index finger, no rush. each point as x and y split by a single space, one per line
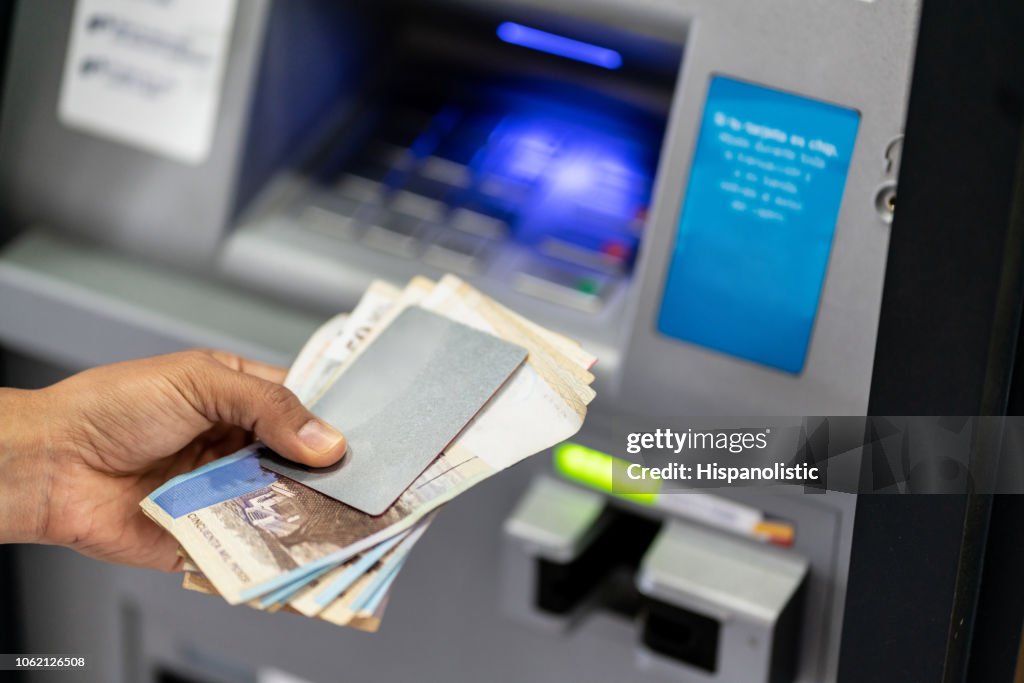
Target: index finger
271 373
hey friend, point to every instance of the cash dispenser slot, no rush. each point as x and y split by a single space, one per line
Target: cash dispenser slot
603 569
585 553
705 606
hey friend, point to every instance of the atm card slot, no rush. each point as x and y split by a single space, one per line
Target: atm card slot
360 188
475 223
453 251
335 215
611 259
445 171
566 286
396 234
418 205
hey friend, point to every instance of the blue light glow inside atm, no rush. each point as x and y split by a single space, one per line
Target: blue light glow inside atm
561 46
565 173
756 230
569 176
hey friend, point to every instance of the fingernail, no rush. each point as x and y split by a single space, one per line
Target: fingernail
319 437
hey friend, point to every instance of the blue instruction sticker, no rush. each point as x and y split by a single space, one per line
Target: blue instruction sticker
755 233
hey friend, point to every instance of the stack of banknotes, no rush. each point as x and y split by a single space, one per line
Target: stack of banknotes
256 537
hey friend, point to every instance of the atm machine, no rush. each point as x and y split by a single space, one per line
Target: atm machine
700 191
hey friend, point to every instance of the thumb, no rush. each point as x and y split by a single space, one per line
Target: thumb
271 411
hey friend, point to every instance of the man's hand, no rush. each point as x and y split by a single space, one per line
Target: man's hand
85 451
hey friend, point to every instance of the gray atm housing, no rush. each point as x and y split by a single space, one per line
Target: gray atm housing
124 254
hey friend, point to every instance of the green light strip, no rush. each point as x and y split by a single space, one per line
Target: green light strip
603 472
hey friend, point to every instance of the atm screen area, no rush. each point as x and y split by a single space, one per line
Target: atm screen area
518 164
510 162
756 229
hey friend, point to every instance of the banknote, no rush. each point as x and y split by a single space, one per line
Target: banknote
340 583
536 395
340 611
303 553
404 399
252 532
381 304
320 358
366 619
562 342
332 343
451 293
195 581
367 602
329 346
360 606
265 509
319 594
318 348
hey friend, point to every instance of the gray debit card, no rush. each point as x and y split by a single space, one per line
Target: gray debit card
401 402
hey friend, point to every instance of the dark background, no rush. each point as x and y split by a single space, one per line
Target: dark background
935 591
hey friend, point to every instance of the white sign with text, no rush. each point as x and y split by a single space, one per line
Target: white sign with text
148 72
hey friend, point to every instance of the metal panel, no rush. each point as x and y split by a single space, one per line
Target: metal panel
855 54
65 178
82 306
